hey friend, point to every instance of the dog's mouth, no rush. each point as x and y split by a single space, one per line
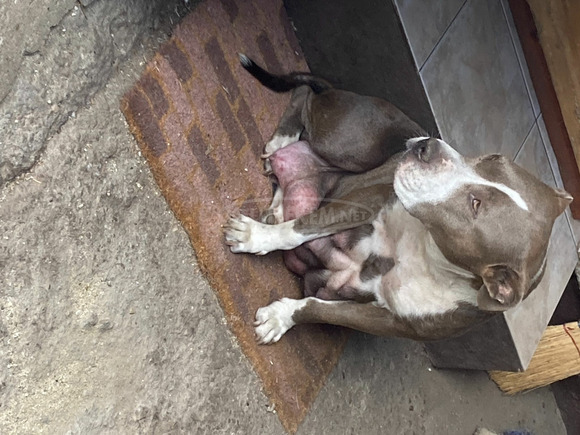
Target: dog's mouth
410 176
408 173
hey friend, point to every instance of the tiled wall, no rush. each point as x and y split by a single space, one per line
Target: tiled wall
472 66
474 72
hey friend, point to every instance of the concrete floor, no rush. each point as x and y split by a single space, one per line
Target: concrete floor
106 324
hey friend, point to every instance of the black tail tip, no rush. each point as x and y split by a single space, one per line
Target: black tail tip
245 60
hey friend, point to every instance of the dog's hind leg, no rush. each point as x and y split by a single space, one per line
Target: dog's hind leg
287 132
290 126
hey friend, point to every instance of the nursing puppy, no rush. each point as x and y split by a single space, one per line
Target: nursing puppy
394 232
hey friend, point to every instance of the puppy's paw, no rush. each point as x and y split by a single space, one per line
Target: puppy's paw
244 234
274 320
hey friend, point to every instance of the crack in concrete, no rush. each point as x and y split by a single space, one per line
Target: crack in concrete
75 60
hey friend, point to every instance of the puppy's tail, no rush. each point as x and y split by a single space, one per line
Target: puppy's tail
283 83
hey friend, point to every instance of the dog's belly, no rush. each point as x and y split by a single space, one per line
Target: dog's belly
346 265
422 282
351 264
393 264
304 179
298 171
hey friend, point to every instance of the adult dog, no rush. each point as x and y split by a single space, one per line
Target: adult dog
394 232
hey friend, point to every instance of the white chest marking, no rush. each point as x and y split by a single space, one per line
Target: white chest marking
423 281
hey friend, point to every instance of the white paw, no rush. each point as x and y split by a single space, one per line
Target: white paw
244 234
277 142
274 320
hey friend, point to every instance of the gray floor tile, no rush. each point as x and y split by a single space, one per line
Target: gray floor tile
529 319
533 157
561 256
550 152
424 22
475 85
521 57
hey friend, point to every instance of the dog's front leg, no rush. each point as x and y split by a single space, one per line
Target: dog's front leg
274 320
244 234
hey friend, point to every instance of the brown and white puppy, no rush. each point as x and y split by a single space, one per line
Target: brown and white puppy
394 232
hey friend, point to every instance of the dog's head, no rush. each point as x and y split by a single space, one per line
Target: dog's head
486 215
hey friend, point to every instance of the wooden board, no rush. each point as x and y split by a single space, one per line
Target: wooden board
550 36
558 24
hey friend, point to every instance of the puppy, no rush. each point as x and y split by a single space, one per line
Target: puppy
395 233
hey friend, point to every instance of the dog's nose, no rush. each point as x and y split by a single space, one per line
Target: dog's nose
424 149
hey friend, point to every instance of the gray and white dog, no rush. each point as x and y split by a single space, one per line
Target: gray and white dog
394 232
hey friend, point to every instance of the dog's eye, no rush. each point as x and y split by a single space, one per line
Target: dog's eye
475 204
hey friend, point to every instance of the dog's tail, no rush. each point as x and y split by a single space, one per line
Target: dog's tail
283 83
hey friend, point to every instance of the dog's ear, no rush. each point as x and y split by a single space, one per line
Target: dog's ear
563 198
502 288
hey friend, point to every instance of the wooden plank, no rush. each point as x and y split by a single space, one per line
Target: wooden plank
555 50
558 24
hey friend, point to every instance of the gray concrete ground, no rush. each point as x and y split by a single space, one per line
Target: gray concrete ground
106 324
